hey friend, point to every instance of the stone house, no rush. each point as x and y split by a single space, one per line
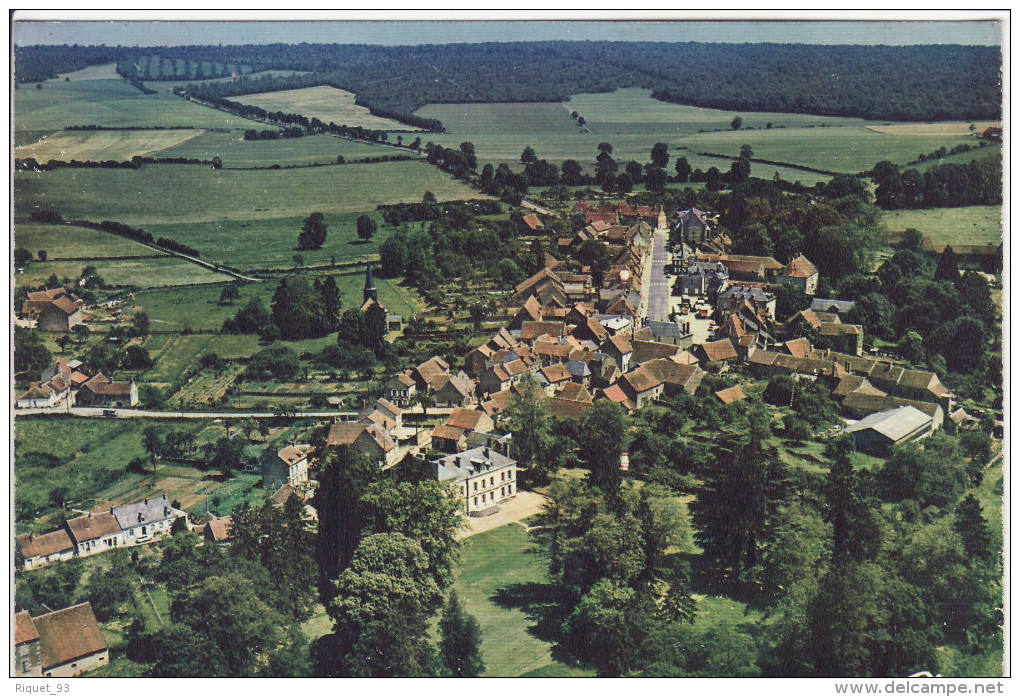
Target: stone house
60 644
482 477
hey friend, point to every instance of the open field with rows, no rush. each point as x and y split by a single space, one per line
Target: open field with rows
235 151
631 121
192 194
68 241
104 145
328 104
970 225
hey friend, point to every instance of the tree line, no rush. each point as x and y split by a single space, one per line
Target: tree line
950 185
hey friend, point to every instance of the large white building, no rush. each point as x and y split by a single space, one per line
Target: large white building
483 476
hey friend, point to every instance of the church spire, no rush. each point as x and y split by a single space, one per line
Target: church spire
370 292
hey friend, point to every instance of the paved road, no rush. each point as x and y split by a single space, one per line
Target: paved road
144 413
659 290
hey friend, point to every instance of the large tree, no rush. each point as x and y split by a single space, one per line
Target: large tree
602 436
313 232
366 228
460 640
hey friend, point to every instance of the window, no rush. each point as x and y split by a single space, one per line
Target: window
24 666
492 481
502 491
476 500
511 488
476 486
502 475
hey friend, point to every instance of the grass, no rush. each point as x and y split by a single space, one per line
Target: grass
633 122
110 103
152 272
66 241
970 225
504 562
981 153
328 104
104 145
235 151
192 194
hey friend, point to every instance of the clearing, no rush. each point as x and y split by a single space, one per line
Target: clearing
328 104
104 145
191 193
969 225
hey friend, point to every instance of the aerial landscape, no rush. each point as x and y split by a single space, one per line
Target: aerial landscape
662 351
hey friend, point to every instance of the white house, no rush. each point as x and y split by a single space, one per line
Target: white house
483 477
143 521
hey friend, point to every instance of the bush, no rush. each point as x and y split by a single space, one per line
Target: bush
276 362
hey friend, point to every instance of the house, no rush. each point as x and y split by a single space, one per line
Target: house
645 351
692 225
94 533
982 257
619 348
449 439
37 301
143 521
288 465
591 330
45 394
369 439
470 420
615 393
642 386
401 390
556 375
737 294
453 390
845 338
39 550
701 278
502 377
426 373
801 273
531 311
566 408
482 477
60 315
798 348
862 403
715 353
670 333
530 331
879 432
101 391
390 411
533 222
219 530
832 306
60 644
731 395
574 392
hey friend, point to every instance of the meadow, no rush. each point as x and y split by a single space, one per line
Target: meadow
970 225
631 121
193 194
235 151
149 272
104 145
108 103
69 241
328 104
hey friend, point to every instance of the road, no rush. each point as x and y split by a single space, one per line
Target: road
144 413
659 285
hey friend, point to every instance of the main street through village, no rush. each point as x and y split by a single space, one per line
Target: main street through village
658 284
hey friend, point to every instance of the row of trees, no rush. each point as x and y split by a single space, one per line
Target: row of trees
941 186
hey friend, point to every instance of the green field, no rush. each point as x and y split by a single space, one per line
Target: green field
970 225
504 562
631 121
68 241
192 194
980 153
109 103
151 272
237 152
174 309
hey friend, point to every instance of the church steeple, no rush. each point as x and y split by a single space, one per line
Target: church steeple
370 292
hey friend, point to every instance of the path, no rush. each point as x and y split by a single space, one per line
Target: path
657 305
524 505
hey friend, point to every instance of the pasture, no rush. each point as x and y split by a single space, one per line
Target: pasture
632 122
148 272
962 158
104 145
235 151
71 242
328 104
110 103
107 71
503 581
969 225
194 194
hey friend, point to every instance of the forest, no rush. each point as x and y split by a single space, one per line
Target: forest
875 82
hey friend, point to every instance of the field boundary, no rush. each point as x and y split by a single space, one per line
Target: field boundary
774 163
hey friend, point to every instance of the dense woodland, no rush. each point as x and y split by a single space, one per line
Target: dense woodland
876 82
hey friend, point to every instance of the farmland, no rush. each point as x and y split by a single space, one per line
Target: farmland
194 194
970 225
324 103
104 145
149 272
235 151
71 242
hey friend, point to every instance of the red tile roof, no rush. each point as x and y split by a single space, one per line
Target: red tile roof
731 395
221 529
719 350
801 267
93 526
69 634
24 629
45 545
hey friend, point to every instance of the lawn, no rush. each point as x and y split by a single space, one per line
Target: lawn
105 102
104 145
235 151
970 225
192 194
328 104
501 573
67 241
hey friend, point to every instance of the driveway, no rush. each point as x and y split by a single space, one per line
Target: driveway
524 505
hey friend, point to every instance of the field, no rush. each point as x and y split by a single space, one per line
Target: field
107 103
149 272
631 121
944 128
104 145
70 242
193 194
501 575
962 158
237 152
970 225
328 104
107 71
